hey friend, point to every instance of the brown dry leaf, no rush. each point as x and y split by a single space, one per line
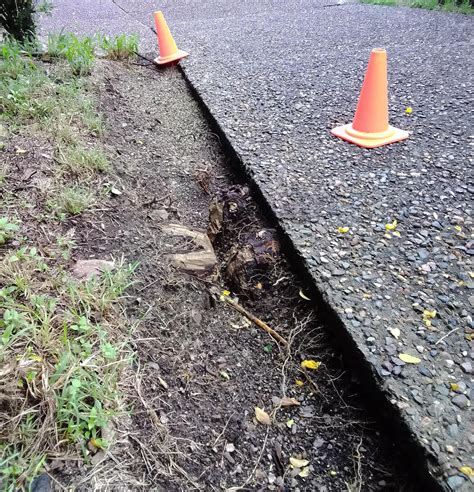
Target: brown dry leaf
289 402
262 416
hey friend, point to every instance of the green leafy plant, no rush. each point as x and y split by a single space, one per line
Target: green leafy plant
7 229
71 201
80 55
121 47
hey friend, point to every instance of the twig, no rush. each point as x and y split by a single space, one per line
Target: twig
257 321
447 335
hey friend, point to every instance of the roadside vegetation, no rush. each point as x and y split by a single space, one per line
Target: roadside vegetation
459 6
63 341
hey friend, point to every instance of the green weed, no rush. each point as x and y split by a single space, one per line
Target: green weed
120 47
7 229
80 55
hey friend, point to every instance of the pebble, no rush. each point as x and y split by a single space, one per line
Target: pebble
467 367
460 401
455 482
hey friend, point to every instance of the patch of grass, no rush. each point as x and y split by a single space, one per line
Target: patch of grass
81 161
120 47
459 6
72 200
63 343
60 366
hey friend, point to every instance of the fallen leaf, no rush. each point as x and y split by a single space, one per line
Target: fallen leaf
391 226
467 470
289 402
20 151
333 473
454 386
163 382
259 286
290 423
458 228
427 314
299 382
262 416
409 110
304 472
303 296
310 364
396 233
343 230
225 375
395 332
298 463
409 359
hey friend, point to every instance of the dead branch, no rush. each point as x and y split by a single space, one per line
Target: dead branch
257 321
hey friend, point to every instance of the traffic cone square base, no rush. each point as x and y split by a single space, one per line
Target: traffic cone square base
163 60
369 140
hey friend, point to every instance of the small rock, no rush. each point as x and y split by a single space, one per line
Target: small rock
455 482
41 483
460 401
86 269
467 367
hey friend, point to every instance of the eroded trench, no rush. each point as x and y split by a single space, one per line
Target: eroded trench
202 367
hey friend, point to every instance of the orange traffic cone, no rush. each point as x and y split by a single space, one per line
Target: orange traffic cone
370 127
169 52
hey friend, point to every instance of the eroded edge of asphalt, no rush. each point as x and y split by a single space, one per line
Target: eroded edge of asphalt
422 462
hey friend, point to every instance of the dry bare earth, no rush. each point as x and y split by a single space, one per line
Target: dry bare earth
200 368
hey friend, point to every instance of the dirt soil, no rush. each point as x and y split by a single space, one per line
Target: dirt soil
201 368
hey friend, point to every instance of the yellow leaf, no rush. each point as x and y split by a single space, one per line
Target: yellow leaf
97 444
454 386
290 423
304 472
427 322
333 473
409 359
303 296
392 226
299 382
427 314
226 292
396 233
310 364
298 463
467 470
458 228
259 286
35 357
409 110
343 230
262 416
